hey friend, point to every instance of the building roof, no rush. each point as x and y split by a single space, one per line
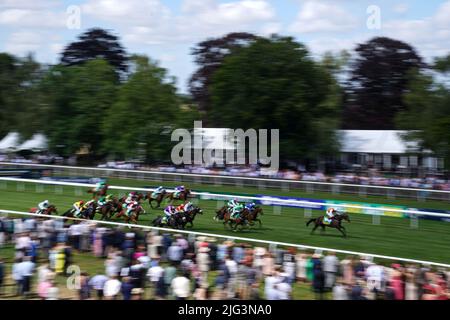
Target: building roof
376 141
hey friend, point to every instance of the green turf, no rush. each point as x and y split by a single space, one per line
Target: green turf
393 237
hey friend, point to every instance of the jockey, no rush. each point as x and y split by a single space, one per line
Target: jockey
331 212
78 207
232 204
180 208
188 207
131 197
131 207
100 186
236 210
43 206
250 206
168 212
179 189
104 200
158 191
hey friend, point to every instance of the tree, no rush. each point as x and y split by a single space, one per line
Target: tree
18 95
209 56
77 100
144 114
428 115
274 84
378 83
96 44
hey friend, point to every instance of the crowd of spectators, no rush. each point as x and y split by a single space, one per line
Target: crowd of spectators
371 177
138 264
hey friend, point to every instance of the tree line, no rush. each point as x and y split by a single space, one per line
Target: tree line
125 106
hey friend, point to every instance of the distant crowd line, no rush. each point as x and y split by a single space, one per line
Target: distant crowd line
372 177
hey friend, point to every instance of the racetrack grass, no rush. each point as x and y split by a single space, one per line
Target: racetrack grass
93 266
393 237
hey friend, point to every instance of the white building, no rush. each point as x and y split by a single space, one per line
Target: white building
384 150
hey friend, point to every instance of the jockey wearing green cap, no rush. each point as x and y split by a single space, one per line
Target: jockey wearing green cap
104 200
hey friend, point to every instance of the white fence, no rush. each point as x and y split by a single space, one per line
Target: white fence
283 244
262 183
276 201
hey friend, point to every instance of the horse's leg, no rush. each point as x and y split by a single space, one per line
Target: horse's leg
342 230
314 229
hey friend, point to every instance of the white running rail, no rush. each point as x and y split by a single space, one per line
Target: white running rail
225 196
284 244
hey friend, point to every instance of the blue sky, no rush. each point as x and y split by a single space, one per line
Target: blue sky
166 30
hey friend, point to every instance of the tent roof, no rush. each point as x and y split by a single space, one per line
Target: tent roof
10 141
37 142
376 141
215 138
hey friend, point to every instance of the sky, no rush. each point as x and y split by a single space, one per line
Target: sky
167 30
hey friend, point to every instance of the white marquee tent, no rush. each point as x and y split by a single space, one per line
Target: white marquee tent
376 141
10 142
38 142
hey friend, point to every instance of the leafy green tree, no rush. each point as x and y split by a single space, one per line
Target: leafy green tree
209 55
145 112
275 84
428 115
18 95
77 100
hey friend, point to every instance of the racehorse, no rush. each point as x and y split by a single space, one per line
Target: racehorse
182 196
225 215
190 216
252 216
175 221
100 193
51 209
88 213
159 198
106 210
134 215
336 223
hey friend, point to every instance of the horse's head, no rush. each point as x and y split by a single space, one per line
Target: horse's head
344 216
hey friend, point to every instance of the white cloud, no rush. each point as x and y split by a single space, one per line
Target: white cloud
150 22
130 12
17 17
317 16
23 42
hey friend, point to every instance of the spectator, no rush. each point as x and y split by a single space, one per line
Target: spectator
98 283
26 269
318 281
181 287
330 268
126 288
111 288
340 291
84 291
